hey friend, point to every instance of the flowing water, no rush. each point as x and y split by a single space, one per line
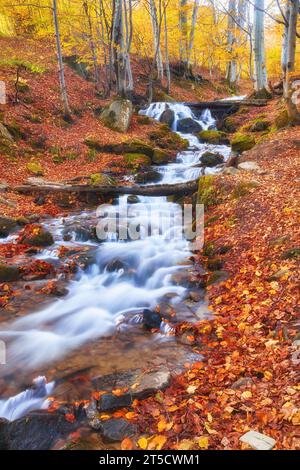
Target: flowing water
102 297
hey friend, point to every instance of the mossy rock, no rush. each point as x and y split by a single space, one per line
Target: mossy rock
23 86
137 146
35 168
137 160
230 124
7 225
100 179
282 119
9 273
215 264
217 276
36 235
117 115
242 142
93 143
167 139
5 135
260 125
213 136
292 253
263 94
207 193
160 157
242 188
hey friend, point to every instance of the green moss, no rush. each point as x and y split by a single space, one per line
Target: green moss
137 160
291 253
99 179
208 249
217 276
282 119
91 156
230 124
160 157
138 146
21 63
167 139
35 168
7 225
207 193
160 95
242 142
212 136
93 143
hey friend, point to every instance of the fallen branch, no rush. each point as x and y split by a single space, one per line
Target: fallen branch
226 104
151 190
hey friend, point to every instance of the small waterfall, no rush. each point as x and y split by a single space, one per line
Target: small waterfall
181 111
31 399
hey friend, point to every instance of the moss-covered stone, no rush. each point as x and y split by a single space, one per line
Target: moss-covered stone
217 276
207 193
160 95
137 160
242 188
36 235
137 146
35 168
99 179
23 86
230 124
160 157
282 119
260 125
291 253
242 142
167 139
7 225
213 136
9 273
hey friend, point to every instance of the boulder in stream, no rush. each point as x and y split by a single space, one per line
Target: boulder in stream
36 235
7 225
188 126
211 159
115 430
150 176
167 117
9 273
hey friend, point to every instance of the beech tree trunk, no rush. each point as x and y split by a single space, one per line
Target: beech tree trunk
183 27
61 73
260 70
284 47
156 39
92 45
291 86
231 72
192 32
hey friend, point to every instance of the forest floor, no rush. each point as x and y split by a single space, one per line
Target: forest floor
249 376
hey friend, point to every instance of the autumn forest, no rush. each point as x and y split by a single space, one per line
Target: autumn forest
149 227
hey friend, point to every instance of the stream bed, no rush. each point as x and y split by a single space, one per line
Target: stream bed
103 325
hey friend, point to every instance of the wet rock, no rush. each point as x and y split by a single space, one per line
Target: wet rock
248 166
115 265
79 231
114 430
182 278
9 273
167 117
133 199
137 160
40 200
211 159
187 338
4 436
140 385
37 236
7 225
151 176
117 115
188 126
37 431
160 157
258 441
215 264
217 276
151 319
196 295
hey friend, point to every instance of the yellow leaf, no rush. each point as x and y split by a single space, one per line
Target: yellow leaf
209 429
191 389
159 442
143 443
209 418
246 394
203 442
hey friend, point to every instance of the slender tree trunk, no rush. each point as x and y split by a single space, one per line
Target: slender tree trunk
92 45
156 39
61 73
168 73
231 72
284 47
260 70
192 32
118 47
183 43
291 94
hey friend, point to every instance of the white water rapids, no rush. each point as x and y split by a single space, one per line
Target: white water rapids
97 297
